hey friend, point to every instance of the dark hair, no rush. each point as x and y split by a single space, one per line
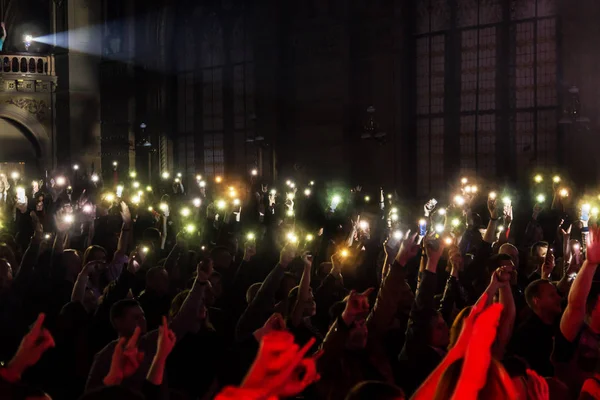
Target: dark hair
457 325
153 273
537 245
89 250
421 328
495 261
120 308
217 251
151 235
370 390
117 392
533 290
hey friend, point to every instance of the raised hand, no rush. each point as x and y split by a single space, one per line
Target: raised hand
434 248
593 245
125 214
38 229
166 340
408 249
537 209
307 259
135 261
126 359
249 250
508 214
492 205
274 323
204 270
280 369
288 253
33 345
548 266
478 355
357 306
62 225
89 268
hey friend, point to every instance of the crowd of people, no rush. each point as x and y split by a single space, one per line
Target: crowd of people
237 289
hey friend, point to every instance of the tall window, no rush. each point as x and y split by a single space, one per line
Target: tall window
243 96
492 93
433 16
533 100
186 110
476 22
212 63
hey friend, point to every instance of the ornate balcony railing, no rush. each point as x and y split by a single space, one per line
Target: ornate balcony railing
26 63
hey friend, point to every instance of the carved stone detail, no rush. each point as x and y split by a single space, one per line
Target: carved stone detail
38 108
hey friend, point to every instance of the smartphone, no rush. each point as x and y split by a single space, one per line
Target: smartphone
422 227
21 198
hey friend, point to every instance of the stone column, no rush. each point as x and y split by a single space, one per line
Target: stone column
78 93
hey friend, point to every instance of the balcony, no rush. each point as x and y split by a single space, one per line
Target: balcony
28 64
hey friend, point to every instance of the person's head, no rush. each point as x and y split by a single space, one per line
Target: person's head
177 303
431 329
251 292
455 258
538 253
7 252
543 298
71 260
309 306
157 280
221 257
6 274
288 282
511 251
498 385
375 390
503 261
592 307
125 315
94 253
152 236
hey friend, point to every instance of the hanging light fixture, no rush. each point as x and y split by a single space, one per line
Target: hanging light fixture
572 109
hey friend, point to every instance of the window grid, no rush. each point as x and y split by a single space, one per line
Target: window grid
212 61
423 75
468 76
423 157
533 60
468 161
486 145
